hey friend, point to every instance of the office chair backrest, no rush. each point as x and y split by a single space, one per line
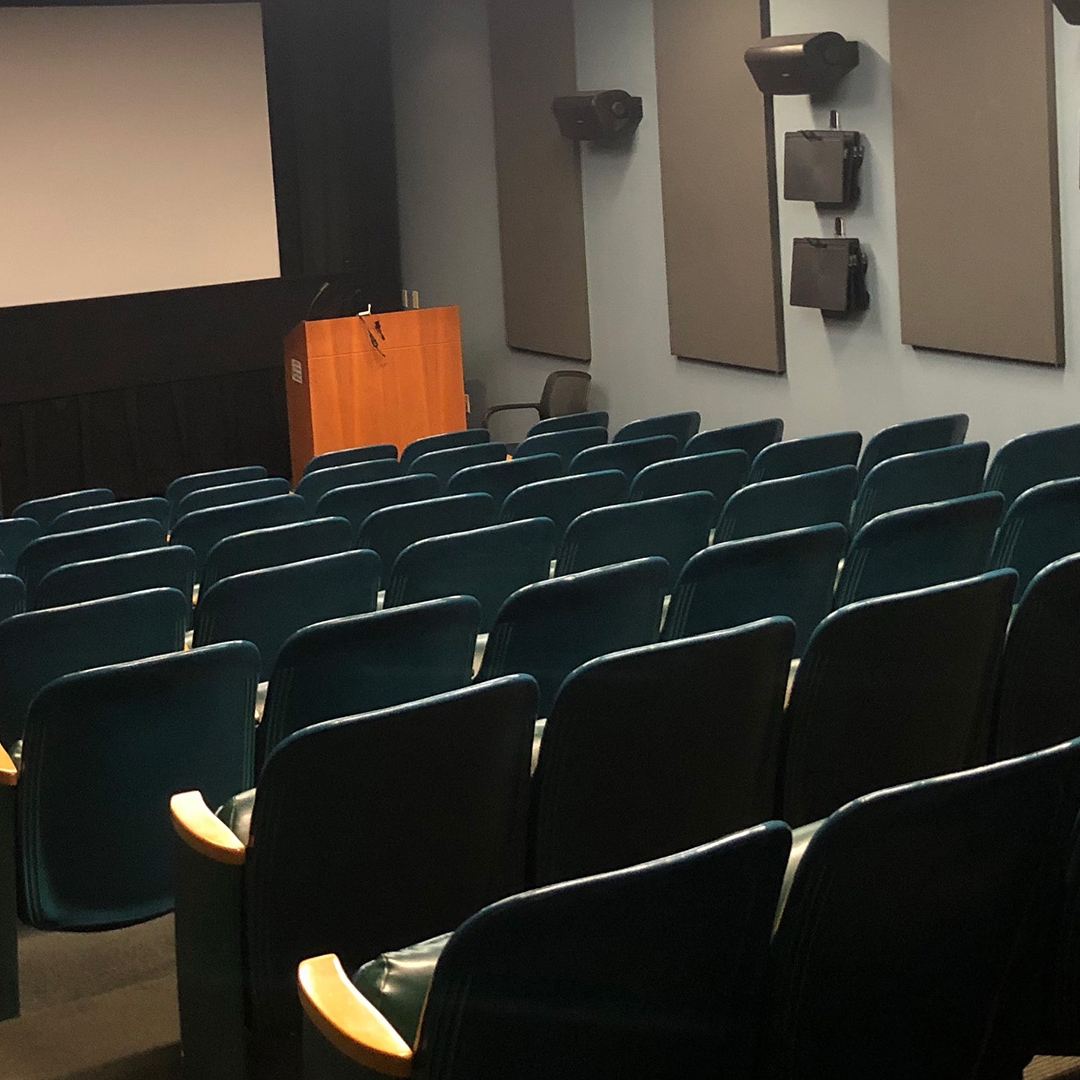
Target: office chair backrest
105 750
499 478
15 534
427 805
722 474
564 499
447 441
314 485
488 564
561 977
751 438
58 549
45 511
964 871
654 750
262 548
88 517
893 690
1038 696
202 529
229 494
1033 459
682 425
12 596
674 527
40 646
812 454
787 573
444 463
912 437
567 444
551 628
628 457
920 546
925 477
390 530
353 456
795 502
357 502
366 662
592 418
171 567
564 392
268 606
1041 526
184 485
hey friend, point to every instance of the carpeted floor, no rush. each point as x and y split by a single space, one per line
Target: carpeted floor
95 1007
103 1007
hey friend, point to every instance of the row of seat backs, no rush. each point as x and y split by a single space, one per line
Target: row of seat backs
638 720
1024 461
968 625
721 482
679 949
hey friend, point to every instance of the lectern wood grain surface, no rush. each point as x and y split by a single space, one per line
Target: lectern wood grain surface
345 391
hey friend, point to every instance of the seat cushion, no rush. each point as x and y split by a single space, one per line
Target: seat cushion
396 983
236 813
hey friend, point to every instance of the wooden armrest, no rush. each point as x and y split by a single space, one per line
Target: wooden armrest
9 775
800 841
196 825
349 1021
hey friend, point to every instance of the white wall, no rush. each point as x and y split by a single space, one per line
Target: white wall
839 375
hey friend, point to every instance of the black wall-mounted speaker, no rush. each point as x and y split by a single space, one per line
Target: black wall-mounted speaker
802 63
1070 10
604 115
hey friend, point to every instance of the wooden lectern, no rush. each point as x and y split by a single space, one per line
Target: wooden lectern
373 379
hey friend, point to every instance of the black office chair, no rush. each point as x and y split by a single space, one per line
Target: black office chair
564 392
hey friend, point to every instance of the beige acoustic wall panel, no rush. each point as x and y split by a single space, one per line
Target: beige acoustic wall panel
978 216
719 182
541 214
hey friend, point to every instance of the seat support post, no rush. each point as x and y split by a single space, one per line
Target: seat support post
209 966
9 947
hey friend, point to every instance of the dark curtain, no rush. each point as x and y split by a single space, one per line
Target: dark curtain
136 440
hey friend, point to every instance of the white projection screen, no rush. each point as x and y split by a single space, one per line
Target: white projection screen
134 150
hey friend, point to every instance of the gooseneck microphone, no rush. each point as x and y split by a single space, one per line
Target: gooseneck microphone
315 299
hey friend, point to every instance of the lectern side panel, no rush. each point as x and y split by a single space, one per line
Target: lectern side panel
298 403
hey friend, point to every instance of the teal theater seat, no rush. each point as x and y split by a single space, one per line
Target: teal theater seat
448 441
721 474
786 573
912 437
171 567
751 438
444 463
592 418
794 502
45 511
267 607
261 549
682 426
564 499
499 478
489 564
567 444
628 457
230 494
925 477
314 485
892 690
184 485
1035 458
353 456
88 517
357 502
814 453
554 626
367 662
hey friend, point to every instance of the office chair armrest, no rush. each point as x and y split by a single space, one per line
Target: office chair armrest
9 775
506 408
800 840
348 1021
195 824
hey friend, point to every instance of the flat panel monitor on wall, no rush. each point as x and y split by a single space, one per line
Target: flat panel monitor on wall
135 150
